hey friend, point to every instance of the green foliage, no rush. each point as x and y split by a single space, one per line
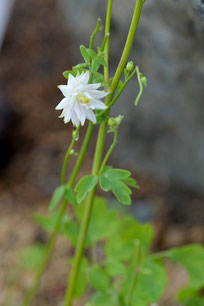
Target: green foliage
70 196
103 222
192 258
49 223
150 283
84 53
82 279
121 246
109 298
189 297
31 256
86 184
114 267
57 196
98 278
115 180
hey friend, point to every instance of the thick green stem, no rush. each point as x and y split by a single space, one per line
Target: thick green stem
50 245
64 166
100 144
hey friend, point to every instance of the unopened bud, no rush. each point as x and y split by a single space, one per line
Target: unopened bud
144 80
130 66
111 122
119 119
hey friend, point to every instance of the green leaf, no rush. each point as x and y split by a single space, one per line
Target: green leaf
82 278
114 267
70 196
105 299
131 182
85 184
98 278
95 65
149 287
57 196
192 258
67 72
79 66
110 179
121 246
71 230
103 222
189 297
49 223
92 53
32 256
84 53
98 78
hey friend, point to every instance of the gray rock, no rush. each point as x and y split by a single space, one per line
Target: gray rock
163 136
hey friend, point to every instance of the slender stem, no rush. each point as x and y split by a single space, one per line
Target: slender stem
100 144
119 92
50 245
81 154
108 153
97 29
104 42
64 166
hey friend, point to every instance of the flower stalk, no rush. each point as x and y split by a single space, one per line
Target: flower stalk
100 142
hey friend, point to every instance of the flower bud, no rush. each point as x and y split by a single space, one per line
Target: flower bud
144 80
111 122
130 66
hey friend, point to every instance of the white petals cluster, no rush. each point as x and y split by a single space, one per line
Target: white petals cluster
80 99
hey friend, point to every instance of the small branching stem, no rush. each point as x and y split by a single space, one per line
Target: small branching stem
64 166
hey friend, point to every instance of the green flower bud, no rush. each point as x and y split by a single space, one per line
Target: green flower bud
111 122
144 80
119 119
130 66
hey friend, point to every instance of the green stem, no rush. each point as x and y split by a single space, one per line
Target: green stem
50 245
100 144
64 166
119 92
97 29
128 44
81 155
108 153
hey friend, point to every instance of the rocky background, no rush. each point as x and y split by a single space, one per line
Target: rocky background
161 140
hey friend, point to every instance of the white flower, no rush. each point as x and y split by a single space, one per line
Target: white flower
80 99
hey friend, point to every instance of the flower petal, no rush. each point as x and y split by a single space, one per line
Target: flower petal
96 104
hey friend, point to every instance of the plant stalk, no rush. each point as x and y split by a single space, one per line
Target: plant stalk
100 144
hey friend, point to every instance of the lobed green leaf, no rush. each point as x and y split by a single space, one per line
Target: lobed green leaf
86 184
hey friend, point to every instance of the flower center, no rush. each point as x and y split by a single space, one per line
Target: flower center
83 99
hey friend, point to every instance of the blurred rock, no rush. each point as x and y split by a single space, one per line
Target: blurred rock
163 137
